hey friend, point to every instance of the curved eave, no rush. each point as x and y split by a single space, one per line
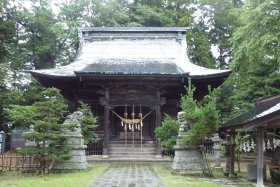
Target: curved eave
51 76
60 82
224 74
100 74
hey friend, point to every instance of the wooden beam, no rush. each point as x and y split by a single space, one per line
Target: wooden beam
158 120
106 124
274 125
231 167
260 158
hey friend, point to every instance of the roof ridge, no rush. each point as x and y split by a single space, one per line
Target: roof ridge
133 29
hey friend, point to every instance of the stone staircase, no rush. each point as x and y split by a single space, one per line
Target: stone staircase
121 151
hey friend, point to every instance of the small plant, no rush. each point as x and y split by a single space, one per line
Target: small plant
167 133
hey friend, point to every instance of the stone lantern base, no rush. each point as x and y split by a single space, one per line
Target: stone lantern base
78 159
187 160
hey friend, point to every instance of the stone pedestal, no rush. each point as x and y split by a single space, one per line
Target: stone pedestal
252 172
217 152
187 160
78 159
227 155
76 142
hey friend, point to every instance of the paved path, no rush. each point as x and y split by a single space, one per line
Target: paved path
122 174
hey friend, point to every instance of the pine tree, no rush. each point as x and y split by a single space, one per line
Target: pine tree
89 123
46 116
202 116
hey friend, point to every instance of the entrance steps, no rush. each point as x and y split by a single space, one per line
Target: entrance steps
121 150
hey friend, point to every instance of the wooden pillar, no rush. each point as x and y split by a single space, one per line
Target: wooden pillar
74 103
106 124
158 122
260 158
231 167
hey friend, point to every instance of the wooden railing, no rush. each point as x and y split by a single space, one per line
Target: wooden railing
16 161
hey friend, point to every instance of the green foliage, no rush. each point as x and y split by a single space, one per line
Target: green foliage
255 46
46 115
203 116
256 42
89 123
167 133
7 30
199 47
222 19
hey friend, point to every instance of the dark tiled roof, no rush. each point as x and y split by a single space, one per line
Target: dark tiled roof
263 108
141 54
124 66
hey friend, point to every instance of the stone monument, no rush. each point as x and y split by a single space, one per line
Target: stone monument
188 159
76 142
217 151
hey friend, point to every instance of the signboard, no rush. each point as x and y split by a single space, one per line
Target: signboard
2 142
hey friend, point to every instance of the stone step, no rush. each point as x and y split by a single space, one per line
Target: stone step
132 151
130 141
131 145
132 156
117 149
131 148
152 158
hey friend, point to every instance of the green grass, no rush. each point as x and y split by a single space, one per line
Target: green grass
179 180
75 179
176 180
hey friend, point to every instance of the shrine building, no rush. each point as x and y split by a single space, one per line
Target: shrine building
124 72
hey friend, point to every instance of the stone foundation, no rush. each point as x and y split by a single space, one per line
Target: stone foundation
187 160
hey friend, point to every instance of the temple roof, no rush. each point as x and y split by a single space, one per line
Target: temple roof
264 109
132 51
